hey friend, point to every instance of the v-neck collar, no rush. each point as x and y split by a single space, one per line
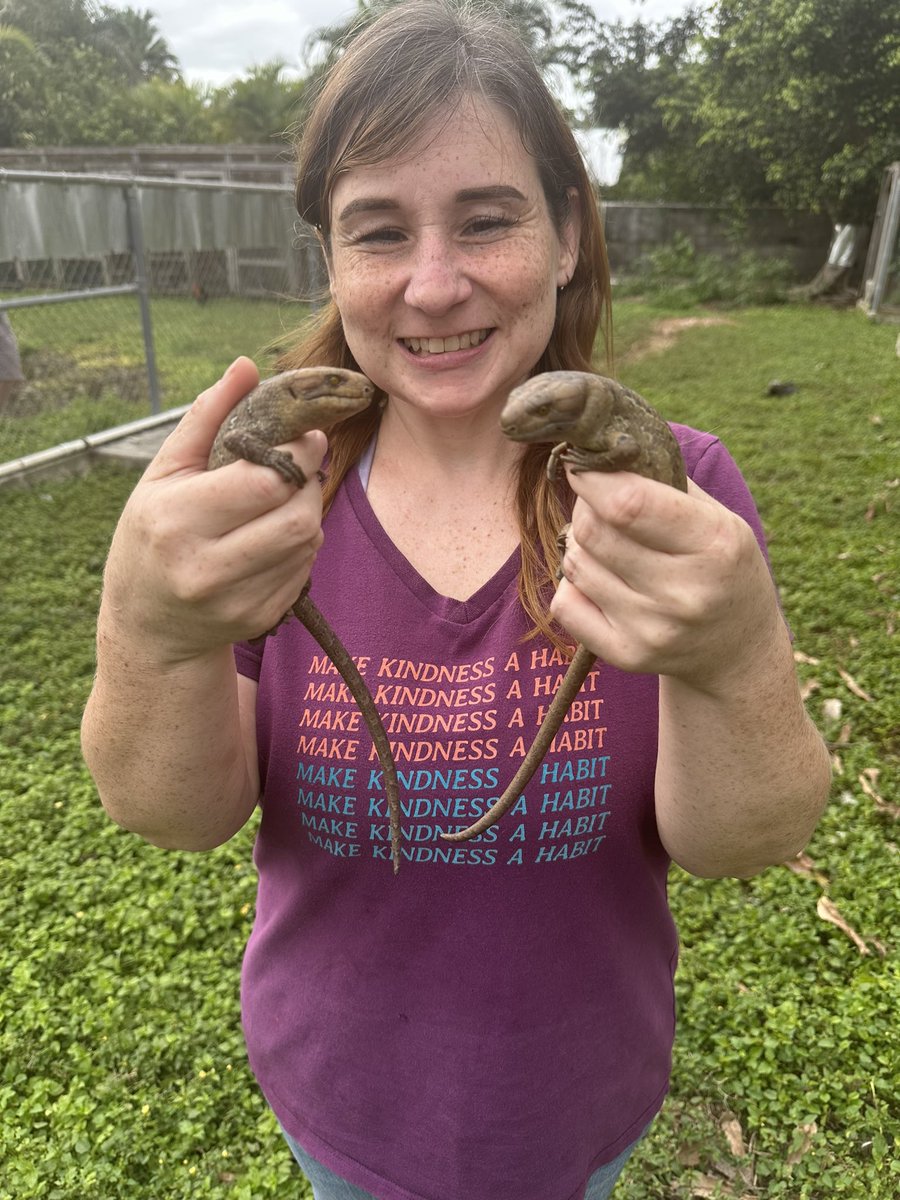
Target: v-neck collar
459 612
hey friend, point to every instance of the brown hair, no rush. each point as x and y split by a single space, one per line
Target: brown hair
415 59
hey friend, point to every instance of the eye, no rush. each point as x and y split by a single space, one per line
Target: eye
375 237
491 223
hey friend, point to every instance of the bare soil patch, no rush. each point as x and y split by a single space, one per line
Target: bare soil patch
666 332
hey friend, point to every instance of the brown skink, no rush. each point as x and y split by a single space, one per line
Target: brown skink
597 425
278 410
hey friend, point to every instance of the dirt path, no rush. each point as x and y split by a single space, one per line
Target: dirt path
665 333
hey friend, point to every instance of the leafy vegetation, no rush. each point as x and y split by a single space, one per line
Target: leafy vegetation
121 1058
73 73
677 276
751 102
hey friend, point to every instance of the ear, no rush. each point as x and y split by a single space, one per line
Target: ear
569 238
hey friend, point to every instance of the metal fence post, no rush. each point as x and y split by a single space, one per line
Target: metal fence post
142 279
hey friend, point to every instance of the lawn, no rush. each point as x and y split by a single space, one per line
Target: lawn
122 1072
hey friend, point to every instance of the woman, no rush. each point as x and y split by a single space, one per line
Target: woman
495 1023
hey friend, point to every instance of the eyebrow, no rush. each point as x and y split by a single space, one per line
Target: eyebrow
364 204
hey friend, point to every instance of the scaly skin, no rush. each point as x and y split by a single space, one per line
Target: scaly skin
278 410
598 425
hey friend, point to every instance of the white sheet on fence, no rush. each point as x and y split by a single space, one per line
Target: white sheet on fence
43 220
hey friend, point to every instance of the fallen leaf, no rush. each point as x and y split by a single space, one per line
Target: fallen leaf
854 686
804 866
688 1155
800 657
868 777
807 688
843 737
832 708
734 1135
802 1140
881 499
704 1185
867 780
828 911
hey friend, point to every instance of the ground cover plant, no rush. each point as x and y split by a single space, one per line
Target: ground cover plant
122 1071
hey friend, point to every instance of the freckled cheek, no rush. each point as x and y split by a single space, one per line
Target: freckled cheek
535 294
358 285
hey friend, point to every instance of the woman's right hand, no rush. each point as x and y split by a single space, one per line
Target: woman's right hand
201 559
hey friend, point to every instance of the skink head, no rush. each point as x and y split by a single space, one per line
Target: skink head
544 407
316 383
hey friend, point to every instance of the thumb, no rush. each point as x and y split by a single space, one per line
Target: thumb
188 445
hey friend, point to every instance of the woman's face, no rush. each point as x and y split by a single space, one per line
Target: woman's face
445 264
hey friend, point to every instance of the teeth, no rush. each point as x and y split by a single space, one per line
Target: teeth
462 341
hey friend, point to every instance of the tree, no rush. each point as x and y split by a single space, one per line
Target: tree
640 80
259 106
68 70
133 39
791 102
50 20
547 39
165 112
814 89
22 86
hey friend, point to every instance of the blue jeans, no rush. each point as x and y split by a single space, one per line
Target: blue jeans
328 1186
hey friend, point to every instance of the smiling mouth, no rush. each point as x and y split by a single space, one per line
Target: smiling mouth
461 341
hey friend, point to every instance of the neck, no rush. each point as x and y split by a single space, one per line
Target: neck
472 444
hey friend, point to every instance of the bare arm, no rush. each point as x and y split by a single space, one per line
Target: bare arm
200 559
675 584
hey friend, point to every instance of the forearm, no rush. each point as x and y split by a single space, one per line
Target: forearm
164 745
742 773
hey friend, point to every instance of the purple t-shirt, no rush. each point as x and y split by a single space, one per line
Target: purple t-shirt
496 1021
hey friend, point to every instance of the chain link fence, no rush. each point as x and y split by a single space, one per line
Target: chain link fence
127 295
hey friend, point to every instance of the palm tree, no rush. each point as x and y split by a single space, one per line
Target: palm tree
133 39
532 19
259 106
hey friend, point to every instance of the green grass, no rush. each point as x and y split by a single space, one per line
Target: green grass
122 1072
85 368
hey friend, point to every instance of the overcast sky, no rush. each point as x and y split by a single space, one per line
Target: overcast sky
218 40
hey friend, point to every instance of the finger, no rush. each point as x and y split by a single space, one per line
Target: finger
586 621
241 491
292 531
187 447
648 512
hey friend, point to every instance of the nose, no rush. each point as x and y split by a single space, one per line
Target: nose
437 277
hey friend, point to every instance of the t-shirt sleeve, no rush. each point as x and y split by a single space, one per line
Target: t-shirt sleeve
711 467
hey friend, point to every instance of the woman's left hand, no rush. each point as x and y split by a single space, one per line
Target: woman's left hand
675 584
665 582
